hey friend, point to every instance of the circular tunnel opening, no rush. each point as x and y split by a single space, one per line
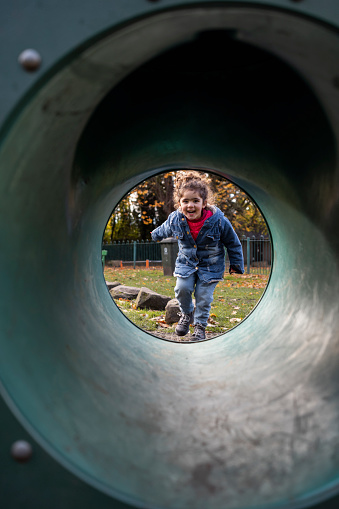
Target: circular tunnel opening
139 272
250 417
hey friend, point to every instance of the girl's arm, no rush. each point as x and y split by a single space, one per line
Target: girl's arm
234 248
163 231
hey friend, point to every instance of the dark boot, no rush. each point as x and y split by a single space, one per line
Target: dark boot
199 332
184 324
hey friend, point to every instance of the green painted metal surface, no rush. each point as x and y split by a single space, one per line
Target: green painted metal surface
41 482
250 91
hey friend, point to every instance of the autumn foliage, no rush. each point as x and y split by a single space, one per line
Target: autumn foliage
149 204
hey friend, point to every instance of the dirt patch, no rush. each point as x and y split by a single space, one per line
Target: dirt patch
171 336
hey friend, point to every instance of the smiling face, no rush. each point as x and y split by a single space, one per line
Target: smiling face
192 205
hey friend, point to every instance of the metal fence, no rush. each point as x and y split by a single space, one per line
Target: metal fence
133 251
257 253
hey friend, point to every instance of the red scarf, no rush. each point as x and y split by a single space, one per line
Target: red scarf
195 226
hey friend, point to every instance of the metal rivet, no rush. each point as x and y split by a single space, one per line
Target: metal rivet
21 450
30 60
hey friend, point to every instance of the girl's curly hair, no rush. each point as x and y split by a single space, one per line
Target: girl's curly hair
193 181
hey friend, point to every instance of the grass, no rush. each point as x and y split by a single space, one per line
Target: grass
234 297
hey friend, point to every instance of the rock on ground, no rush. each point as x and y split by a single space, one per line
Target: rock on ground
172 311
112 284
124 292
151 300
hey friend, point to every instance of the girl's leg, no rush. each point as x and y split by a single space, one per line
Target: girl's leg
203 300
183 292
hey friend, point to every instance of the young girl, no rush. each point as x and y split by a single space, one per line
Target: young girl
202 231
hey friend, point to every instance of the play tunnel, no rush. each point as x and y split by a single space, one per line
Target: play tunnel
118 92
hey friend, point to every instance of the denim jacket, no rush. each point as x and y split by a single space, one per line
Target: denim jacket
206 254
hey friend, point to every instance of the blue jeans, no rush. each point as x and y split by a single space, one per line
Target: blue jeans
203 293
